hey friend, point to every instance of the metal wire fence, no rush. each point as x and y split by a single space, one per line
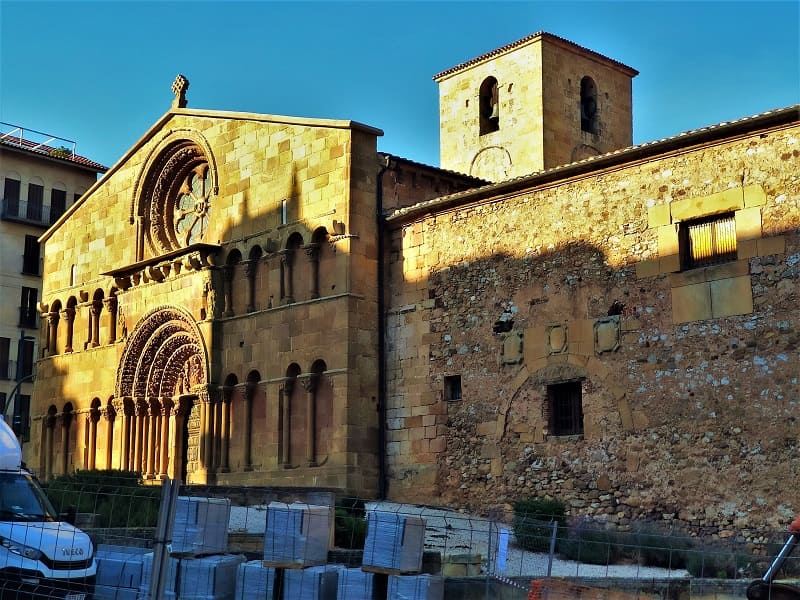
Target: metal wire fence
285 543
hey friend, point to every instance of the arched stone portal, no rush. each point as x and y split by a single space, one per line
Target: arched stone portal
162 374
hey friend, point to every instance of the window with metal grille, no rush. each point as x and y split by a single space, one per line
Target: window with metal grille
566 408
708 241
452 387
5 344
26 358
58 204
30 260
21 423
11 197
27 307
35 201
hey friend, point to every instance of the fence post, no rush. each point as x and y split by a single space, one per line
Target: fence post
552 548
163 536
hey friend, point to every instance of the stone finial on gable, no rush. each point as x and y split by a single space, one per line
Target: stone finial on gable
179 87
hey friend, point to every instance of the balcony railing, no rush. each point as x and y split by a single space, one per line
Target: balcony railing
22 211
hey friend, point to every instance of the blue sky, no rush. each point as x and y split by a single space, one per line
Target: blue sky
100 72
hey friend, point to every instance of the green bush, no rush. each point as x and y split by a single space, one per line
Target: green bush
350 524
533 522
586 543
717 562
651 546
118 498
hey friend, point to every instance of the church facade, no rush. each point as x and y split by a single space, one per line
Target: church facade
266 300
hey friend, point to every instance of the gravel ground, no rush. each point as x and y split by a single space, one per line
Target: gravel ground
453 532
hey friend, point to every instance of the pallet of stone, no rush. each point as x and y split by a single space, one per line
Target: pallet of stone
395 543
201 526
119 572
415 587
357 584
297 535
311 583
253 580
204 578
272 564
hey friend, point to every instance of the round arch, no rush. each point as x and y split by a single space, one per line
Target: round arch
165 356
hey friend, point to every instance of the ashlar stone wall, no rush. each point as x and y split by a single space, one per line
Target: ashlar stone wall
687 414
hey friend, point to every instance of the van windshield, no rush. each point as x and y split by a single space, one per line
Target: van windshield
21 499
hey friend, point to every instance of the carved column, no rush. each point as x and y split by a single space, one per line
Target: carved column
166 412
310 385
109 414
153 415
250 391
227 295
111 309
94 417
52 330
286 424
225 433
313 252
287 264
217 432
179 413
69 319
206 431
50 426
140 429
66 421
250 272
96 308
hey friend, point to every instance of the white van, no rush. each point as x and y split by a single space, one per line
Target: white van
40 556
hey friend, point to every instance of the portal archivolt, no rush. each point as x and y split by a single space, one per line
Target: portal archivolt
163 371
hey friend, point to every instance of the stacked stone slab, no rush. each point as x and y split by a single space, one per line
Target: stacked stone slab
357 584
297 535
254 580
195 578
415 587
201 526
312 583
394 544
119 572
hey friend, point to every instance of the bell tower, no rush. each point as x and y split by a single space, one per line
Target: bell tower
534 104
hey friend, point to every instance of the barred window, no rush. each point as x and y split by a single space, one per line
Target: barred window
566 408
708 241
452 387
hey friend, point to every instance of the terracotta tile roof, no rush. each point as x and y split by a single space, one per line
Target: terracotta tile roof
52 152
530 38
449 172
646 150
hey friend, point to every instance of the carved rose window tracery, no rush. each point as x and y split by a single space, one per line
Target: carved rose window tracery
179 199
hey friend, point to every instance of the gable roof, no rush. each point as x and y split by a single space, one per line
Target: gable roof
215 114
534 37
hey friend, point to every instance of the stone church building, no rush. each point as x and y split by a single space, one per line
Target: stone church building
269 300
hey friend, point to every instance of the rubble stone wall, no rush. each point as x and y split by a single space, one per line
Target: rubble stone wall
691 421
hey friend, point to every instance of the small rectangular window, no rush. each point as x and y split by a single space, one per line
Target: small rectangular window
566 408
35 201
452 387
30 260
11 197
707 241
21 423
284 211
27 307
58 204
26 360
5 344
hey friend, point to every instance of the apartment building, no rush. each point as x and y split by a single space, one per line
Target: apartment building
41 176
